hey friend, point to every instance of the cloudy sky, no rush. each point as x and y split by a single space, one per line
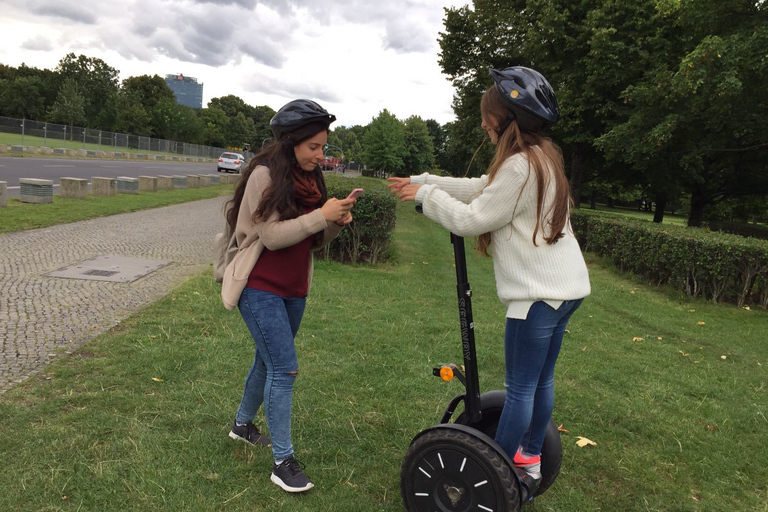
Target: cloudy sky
355 57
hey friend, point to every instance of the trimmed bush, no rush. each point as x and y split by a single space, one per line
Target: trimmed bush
367 238
701 263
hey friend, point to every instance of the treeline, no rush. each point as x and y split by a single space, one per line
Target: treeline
85 91
662 100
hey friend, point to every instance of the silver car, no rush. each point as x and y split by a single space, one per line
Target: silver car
233 162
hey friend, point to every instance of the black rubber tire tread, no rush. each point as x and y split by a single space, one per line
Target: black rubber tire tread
506 479
551 451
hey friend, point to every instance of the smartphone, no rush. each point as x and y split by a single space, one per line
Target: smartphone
355 193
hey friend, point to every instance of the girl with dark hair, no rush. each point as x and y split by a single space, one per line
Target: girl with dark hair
521 210
280 214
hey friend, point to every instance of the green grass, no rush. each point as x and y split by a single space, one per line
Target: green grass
138 418
680 220
14 139
18 216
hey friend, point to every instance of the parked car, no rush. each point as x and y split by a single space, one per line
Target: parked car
231 162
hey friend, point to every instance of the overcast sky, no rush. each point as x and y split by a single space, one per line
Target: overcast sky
355 57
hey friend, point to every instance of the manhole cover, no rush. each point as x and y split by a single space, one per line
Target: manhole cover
117 269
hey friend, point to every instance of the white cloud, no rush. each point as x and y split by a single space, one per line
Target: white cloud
355 57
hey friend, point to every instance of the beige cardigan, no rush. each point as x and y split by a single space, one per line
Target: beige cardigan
253 237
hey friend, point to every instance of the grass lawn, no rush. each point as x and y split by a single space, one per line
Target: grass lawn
679 220
673 392
18 216
14 139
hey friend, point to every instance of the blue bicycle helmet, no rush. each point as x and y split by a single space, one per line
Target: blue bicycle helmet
297 113
529 97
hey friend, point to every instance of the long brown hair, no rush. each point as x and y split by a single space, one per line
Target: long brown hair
542 155
280 157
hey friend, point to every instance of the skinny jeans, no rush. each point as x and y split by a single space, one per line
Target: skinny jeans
273 322
531 348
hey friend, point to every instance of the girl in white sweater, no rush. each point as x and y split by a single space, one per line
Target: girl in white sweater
520 210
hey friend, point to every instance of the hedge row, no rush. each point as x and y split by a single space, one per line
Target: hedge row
716 266
367 238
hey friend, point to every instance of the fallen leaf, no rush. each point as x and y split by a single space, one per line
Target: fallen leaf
152 337
583 441
746 308
567 331
683 353
723 358
563 430
660 338
695 361
710 427
157 379
699 323
637 339
696 498
632 292
691 310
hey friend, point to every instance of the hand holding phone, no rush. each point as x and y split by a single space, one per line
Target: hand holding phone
355 193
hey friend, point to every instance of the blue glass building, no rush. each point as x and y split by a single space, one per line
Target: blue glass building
186 89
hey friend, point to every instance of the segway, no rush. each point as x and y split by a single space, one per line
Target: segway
458 467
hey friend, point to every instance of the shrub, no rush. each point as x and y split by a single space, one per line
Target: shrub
367 238
701 263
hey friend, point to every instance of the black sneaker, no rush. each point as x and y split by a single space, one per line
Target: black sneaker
289 476
250 434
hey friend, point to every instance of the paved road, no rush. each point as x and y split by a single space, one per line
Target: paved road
13 168
42 318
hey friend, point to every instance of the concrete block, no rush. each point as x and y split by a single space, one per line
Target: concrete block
101 154
59 151
190 159
3 148
165 183
36 191
32 149
127 185
205 180
103 186
82 152
147 183
215 179
3 194
175 158
17 149
117 155
89 152
73 188
161 157
71 152
180 182
193 181
141 156
46 151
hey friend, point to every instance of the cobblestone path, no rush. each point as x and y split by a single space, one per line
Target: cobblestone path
42 318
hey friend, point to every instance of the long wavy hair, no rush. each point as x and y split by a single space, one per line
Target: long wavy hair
542 155
280 157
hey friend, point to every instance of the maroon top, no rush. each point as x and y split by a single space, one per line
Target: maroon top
284 272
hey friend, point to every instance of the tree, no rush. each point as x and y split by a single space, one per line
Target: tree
147 90
702 114
22 97
69 107
419 156
216 122
385 143
96 81
437 133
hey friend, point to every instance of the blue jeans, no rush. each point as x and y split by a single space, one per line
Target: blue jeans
531 347
273 322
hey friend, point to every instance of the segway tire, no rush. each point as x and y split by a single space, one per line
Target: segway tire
451 470
491 405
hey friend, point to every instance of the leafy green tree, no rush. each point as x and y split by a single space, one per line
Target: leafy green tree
420 154
22 97
97 82
216 122
702 115
177 122
131 115
239 131
437 133
69 107
147 90
384 144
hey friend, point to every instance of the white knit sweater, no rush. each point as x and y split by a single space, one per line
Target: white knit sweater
524 273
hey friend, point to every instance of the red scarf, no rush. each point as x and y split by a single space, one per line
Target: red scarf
307 192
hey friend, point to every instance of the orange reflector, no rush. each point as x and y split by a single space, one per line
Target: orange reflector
446 373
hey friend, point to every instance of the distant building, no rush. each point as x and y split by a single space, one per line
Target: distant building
186 89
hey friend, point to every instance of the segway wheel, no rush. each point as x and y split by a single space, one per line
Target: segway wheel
451 470
491 404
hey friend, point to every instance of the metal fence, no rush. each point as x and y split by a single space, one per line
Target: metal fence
109 141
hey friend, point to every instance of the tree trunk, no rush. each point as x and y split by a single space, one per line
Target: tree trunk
593 201
698 201
578 170
661 203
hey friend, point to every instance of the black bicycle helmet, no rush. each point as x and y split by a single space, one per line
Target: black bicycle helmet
529 96
297 113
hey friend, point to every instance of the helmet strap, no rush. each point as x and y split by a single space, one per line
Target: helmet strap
508 121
